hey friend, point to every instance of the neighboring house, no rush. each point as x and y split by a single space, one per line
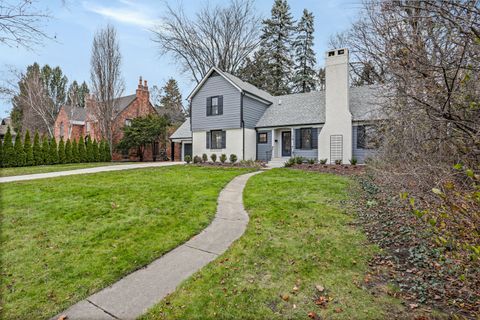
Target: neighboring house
72 121
7 122
228 115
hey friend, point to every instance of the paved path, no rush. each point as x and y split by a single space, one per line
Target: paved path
133 295
87 170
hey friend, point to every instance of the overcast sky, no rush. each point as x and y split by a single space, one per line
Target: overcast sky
74 25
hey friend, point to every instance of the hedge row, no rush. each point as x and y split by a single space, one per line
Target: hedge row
48 152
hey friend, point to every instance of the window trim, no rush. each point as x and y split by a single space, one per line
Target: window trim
128 122
302 136
259 140
211 140
218 106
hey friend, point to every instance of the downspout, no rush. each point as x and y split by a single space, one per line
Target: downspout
242 124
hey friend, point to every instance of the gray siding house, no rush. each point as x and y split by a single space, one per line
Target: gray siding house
228 115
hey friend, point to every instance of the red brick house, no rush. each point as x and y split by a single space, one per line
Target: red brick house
71 122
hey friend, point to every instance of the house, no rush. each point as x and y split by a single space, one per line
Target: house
7 122
74 121
228 115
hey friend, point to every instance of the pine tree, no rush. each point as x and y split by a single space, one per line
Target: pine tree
37 150
107 155
28 150
82 152
68 151
46 151
89 149
304 77
19 153
277 40
61 151
75 157
95 153
8 150
170 104
254 70
53 151
101 151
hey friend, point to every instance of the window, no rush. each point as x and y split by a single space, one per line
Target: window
306 142
262 137
367 137
62 130
215 106
88 127
216 139
128 122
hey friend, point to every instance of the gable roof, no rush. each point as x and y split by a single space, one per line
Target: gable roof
309 108
75 113
239 84
122 103
184 131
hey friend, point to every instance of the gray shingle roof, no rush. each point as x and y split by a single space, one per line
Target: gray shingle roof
123 102
309 108
250 88
184 131
75 113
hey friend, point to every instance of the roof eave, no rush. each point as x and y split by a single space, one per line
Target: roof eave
200 84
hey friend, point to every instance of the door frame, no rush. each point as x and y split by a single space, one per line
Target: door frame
284 154
184 149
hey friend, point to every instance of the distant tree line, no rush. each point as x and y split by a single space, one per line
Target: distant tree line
46 151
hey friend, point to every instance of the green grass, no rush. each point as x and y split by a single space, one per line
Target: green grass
298 235
7 172
65 238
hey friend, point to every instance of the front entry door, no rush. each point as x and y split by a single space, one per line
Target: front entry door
187 151
286 143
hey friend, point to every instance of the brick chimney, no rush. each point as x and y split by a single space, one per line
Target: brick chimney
142 91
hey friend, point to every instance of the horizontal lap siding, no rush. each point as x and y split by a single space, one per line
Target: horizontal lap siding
252 111
359 154
230 119
264 148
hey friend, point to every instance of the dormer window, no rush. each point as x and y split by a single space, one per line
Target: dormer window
215 106
128 122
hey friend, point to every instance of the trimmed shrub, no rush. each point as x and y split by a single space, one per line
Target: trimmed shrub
95 152
61 151
290 162
28 150
233 158
188 159
323 161
1 153
68 152
108 155
89 150
75 158
353 161
37 150
45 151
53 151
213 156
298 160
204 157
8 151
197 159
223 158
311 161
338 162
19 153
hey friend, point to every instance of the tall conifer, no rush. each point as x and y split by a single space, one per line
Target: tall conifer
304 79
28 150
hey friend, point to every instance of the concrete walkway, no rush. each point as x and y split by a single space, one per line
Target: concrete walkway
87 170
133 295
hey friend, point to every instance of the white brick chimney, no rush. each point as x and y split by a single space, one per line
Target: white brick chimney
335 139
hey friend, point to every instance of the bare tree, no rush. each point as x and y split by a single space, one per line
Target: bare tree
107 82
21 24
217 36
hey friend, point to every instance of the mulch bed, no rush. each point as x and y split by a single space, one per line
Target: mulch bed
240 164
340 169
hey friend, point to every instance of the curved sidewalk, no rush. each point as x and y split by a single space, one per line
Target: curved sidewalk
133 295
117 167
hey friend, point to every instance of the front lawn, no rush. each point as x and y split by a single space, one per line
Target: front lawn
7 172
65 238
300 257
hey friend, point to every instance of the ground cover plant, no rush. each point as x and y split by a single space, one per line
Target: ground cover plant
65 238
16 171
300 257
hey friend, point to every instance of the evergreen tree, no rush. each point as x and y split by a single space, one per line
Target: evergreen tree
28 150
61 151
277 41
95 153
304 76
19 153
53 152
75 157
82 152
1 153
45 151
101 151
170 104
8 150
37 150
68 151
254 70
107 155
89 149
